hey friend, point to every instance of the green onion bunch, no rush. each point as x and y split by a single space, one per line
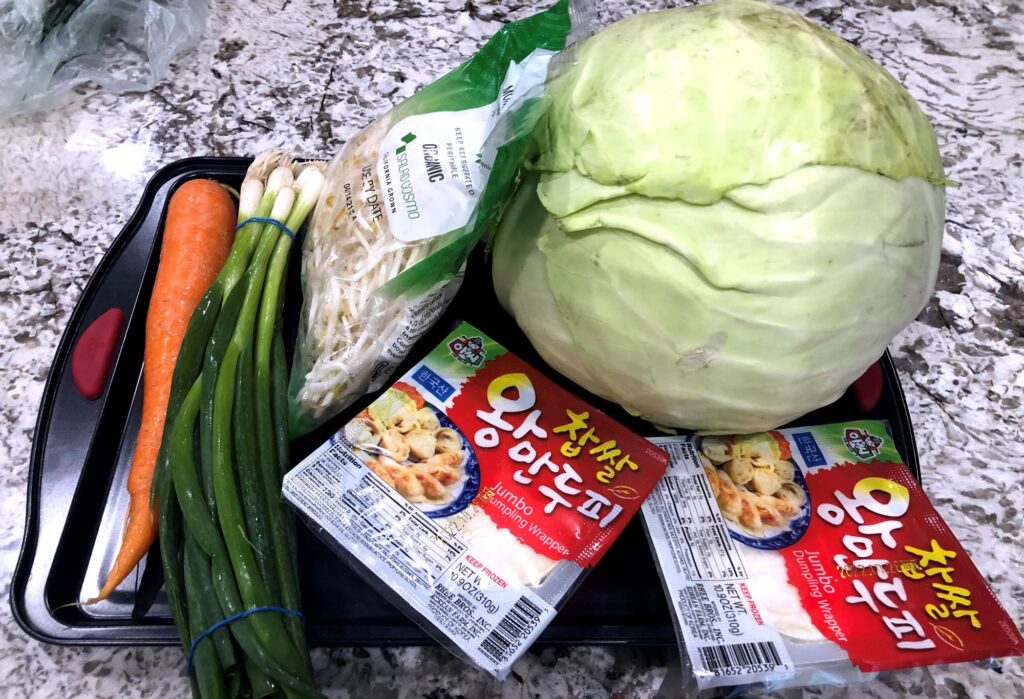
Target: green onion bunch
227 539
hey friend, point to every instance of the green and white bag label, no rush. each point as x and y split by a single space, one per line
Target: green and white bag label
431 166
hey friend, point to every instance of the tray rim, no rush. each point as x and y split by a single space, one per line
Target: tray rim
48 629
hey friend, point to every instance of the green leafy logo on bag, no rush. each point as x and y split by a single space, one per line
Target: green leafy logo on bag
406 139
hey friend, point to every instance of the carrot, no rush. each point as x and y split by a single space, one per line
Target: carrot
197 237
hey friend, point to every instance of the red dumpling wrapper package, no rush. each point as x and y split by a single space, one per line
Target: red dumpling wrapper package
475 493
812 555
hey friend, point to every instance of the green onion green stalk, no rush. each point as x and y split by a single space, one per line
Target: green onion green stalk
227 540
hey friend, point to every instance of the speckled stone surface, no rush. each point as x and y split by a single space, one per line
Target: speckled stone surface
307 75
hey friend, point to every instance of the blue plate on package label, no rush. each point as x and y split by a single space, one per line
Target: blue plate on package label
471 482
464 490
793 531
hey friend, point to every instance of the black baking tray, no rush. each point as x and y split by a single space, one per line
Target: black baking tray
82 449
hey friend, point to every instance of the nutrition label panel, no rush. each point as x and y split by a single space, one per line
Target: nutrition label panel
433 572
341 495
683 502
712 601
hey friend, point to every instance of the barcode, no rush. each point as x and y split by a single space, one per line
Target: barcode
716 658
510 632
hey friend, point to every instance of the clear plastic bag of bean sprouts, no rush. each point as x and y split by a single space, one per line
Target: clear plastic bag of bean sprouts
404 203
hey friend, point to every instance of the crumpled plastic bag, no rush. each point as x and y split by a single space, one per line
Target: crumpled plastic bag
49 47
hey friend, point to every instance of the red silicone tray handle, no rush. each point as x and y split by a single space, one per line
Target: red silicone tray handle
94 353
868 388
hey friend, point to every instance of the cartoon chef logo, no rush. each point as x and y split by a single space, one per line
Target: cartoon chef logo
861 443
468 349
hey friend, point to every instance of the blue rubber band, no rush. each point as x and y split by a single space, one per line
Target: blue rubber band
272 221
230 620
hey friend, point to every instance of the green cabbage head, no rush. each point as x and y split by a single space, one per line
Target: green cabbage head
729 214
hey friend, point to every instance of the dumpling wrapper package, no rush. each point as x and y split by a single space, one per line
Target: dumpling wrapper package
811 555
475 493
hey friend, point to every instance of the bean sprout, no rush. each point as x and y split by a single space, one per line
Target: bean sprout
348 255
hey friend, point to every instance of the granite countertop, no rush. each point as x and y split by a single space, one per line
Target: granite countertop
72 177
